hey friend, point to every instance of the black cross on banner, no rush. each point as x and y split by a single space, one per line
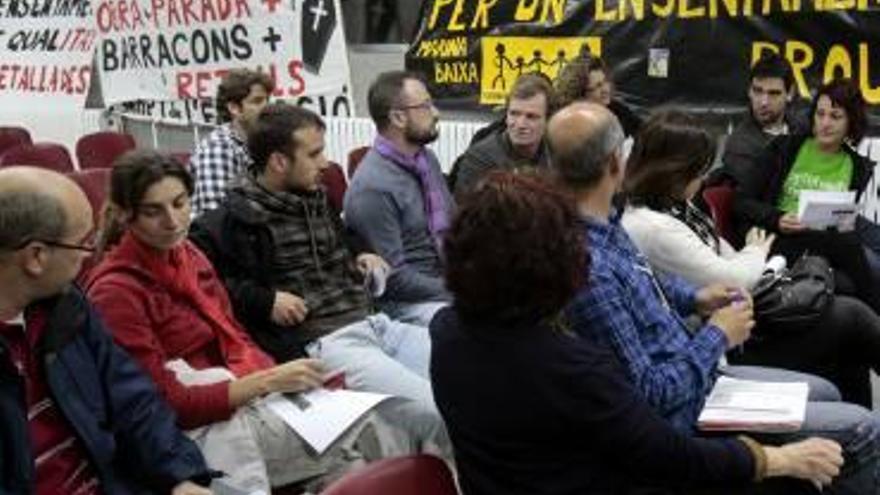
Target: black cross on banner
318 21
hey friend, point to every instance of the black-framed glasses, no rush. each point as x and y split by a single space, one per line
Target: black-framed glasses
87 246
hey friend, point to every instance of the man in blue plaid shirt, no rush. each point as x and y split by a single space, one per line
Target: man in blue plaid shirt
640 313
223 155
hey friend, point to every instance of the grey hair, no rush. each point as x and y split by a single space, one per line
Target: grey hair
28 215
584 164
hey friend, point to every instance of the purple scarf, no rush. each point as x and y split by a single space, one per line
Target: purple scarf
436 209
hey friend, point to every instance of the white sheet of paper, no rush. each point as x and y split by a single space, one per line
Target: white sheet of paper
747 405
822 209
321 416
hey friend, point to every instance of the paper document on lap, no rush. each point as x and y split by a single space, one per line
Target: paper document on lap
746 405
321 416
820 210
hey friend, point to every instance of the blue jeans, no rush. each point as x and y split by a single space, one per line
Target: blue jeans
855 428
385 356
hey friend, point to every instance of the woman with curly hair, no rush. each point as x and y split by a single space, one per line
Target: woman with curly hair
587 79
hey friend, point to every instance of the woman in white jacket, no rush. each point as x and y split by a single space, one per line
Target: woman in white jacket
664 172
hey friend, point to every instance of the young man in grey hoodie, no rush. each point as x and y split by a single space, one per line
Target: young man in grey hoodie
297 286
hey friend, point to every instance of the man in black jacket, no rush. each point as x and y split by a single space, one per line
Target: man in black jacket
71 401
519 143
771 114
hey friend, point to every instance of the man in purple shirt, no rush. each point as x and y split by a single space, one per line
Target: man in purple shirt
398 201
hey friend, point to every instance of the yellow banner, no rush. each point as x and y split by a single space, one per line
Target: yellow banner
507 57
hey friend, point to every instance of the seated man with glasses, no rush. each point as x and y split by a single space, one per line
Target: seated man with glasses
298 288
398 201
71 401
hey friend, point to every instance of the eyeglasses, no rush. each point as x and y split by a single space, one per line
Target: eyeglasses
87 246
425 105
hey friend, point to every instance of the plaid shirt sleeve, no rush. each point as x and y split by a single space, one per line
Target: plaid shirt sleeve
215 163
669 381
682 294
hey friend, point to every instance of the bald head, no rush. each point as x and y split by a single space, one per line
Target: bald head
38 204
583 137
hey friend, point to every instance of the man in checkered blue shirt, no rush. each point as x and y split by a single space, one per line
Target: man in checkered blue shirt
624 303
223 155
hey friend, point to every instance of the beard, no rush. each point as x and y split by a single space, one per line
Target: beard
422 137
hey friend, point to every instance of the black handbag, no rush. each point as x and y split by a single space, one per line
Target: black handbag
795 297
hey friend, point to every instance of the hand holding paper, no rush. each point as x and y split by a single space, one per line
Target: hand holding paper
821 210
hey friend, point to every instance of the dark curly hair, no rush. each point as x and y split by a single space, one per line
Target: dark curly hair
515 251
132 175
236 86
845 94
574 79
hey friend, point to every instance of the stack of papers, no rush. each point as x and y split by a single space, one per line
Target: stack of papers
321 416
746 405
820 210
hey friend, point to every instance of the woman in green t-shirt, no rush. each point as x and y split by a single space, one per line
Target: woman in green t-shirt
826 160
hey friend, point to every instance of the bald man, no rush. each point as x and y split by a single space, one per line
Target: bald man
78 415
641 313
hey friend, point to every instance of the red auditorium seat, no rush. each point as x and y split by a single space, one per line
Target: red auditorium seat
354 159
335 185
182 157
719 199
13 136
94 183
99 149
411 475
51 156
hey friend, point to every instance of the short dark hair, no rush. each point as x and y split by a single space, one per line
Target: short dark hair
845 94
670 150
529 85
274 128
384 95
236 86
133 173
28 215
584 164
573 80
515 250
772 65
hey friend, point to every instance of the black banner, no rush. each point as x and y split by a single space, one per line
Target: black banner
690 53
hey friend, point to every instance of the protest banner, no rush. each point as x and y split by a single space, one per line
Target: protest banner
691 53
46 49
165 58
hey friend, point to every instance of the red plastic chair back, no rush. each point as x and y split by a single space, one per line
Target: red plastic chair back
11 137
335 185
719 199
99 149
95 183
411 475
182 157
50 156
355 157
